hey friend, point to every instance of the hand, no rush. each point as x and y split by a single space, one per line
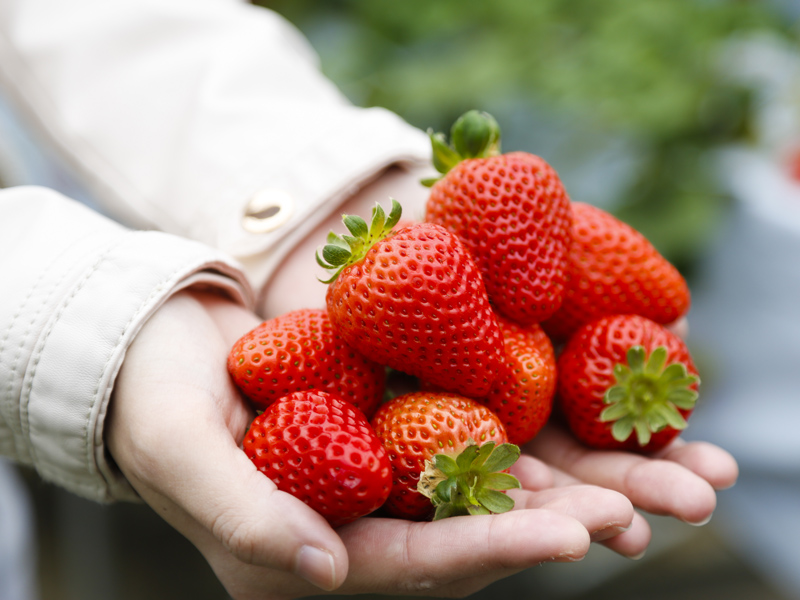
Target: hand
174 429
680 481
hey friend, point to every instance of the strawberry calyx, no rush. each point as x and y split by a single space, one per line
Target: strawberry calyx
475 134
648 395
341 251
472 482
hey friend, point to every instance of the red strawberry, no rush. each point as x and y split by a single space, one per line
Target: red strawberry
443 452
413 301
626 382
522 395
322 450
614 269
301 351
510 210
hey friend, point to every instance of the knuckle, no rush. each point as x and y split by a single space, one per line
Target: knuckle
237 537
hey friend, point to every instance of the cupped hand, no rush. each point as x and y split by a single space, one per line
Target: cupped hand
681 481
174 429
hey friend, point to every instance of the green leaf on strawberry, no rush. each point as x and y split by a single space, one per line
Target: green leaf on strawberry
475 134
472 482
647 395
341 251
510 210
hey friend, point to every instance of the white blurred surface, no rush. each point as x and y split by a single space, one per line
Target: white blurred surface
17 563
746 318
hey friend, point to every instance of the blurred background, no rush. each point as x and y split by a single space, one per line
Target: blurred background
682 117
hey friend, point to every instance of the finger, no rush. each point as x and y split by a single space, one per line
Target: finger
173 426
680 327
658 486
630 541
606 515
633 542
400 557
602 512
196 464
710 462
240 579
532 473
220 488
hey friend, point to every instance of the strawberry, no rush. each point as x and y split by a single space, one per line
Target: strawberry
444 456
301 351
522 395
625 382
322 450
614 269
510 210
414 301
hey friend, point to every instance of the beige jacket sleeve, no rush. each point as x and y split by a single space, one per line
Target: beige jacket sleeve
204 118
76 288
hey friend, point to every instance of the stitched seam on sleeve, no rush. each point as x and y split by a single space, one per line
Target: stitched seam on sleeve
26 394
189 264
23 404
187 267
208 261
88 436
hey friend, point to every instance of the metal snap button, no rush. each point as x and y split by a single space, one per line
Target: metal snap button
267 210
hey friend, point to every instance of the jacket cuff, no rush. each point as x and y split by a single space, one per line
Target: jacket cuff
235 139
70 332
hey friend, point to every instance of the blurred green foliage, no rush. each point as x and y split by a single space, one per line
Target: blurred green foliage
644 71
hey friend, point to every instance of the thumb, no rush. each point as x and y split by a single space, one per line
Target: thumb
261 525
215 496
172 429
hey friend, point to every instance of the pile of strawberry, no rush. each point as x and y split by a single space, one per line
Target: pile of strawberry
469 305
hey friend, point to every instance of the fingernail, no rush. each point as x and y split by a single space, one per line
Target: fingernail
608 532
566 557
316 566
639 556
702 522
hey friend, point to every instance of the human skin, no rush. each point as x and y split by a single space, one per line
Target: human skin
174 429
176 423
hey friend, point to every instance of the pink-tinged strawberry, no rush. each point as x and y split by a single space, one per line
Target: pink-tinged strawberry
322 450
301 351
522 395
510 210
414 301
448 454
614 269
626 382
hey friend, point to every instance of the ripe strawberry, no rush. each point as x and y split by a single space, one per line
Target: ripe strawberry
614 269
414 301
624 375
510 210
522 395
301 351
322 450
443 452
